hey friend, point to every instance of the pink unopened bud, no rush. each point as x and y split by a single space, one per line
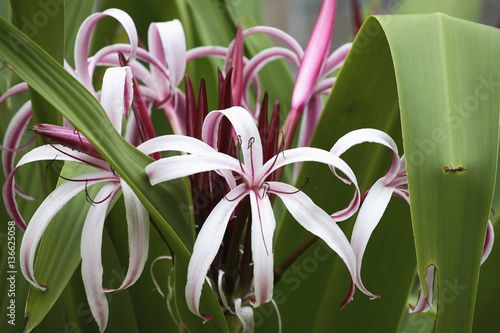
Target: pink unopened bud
67 137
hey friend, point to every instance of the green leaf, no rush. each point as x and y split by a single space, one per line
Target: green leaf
43 22
464 9
428 66
450 126
165 203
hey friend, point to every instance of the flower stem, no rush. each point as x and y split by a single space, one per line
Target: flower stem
278 271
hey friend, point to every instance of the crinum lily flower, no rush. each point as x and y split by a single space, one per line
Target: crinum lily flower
248 178
376 199
116 97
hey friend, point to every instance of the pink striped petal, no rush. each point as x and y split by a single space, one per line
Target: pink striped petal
368 218
175 143
61 153
285 37
44 214
168 43
318 222
17 89
84 34
245 128
90 249
116 94
13 135
424 304
180 166
207 245
304 154
40 154
369 135
263 225
336 59
488 242
138 236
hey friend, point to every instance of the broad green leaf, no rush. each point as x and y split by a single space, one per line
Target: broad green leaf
164 203
243 10
426 64
464 9
213 22
43 22
452 122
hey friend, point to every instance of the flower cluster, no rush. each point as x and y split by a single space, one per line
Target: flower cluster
233 157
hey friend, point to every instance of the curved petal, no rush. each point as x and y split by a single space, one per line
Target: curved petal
369 135
245 315
245 128
61 153
175 143
84 34
424 304
138 236
207 245
264 57
369 215
488 242
17 89
90 249
285 37
304 154
12 138
44 214
319 223
116 94
336 59
263 225
184 165
167 42
9 197
42 153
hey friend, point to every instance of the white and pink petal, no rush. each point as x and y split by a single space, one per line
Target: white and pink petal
90 249
207 245
263 226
